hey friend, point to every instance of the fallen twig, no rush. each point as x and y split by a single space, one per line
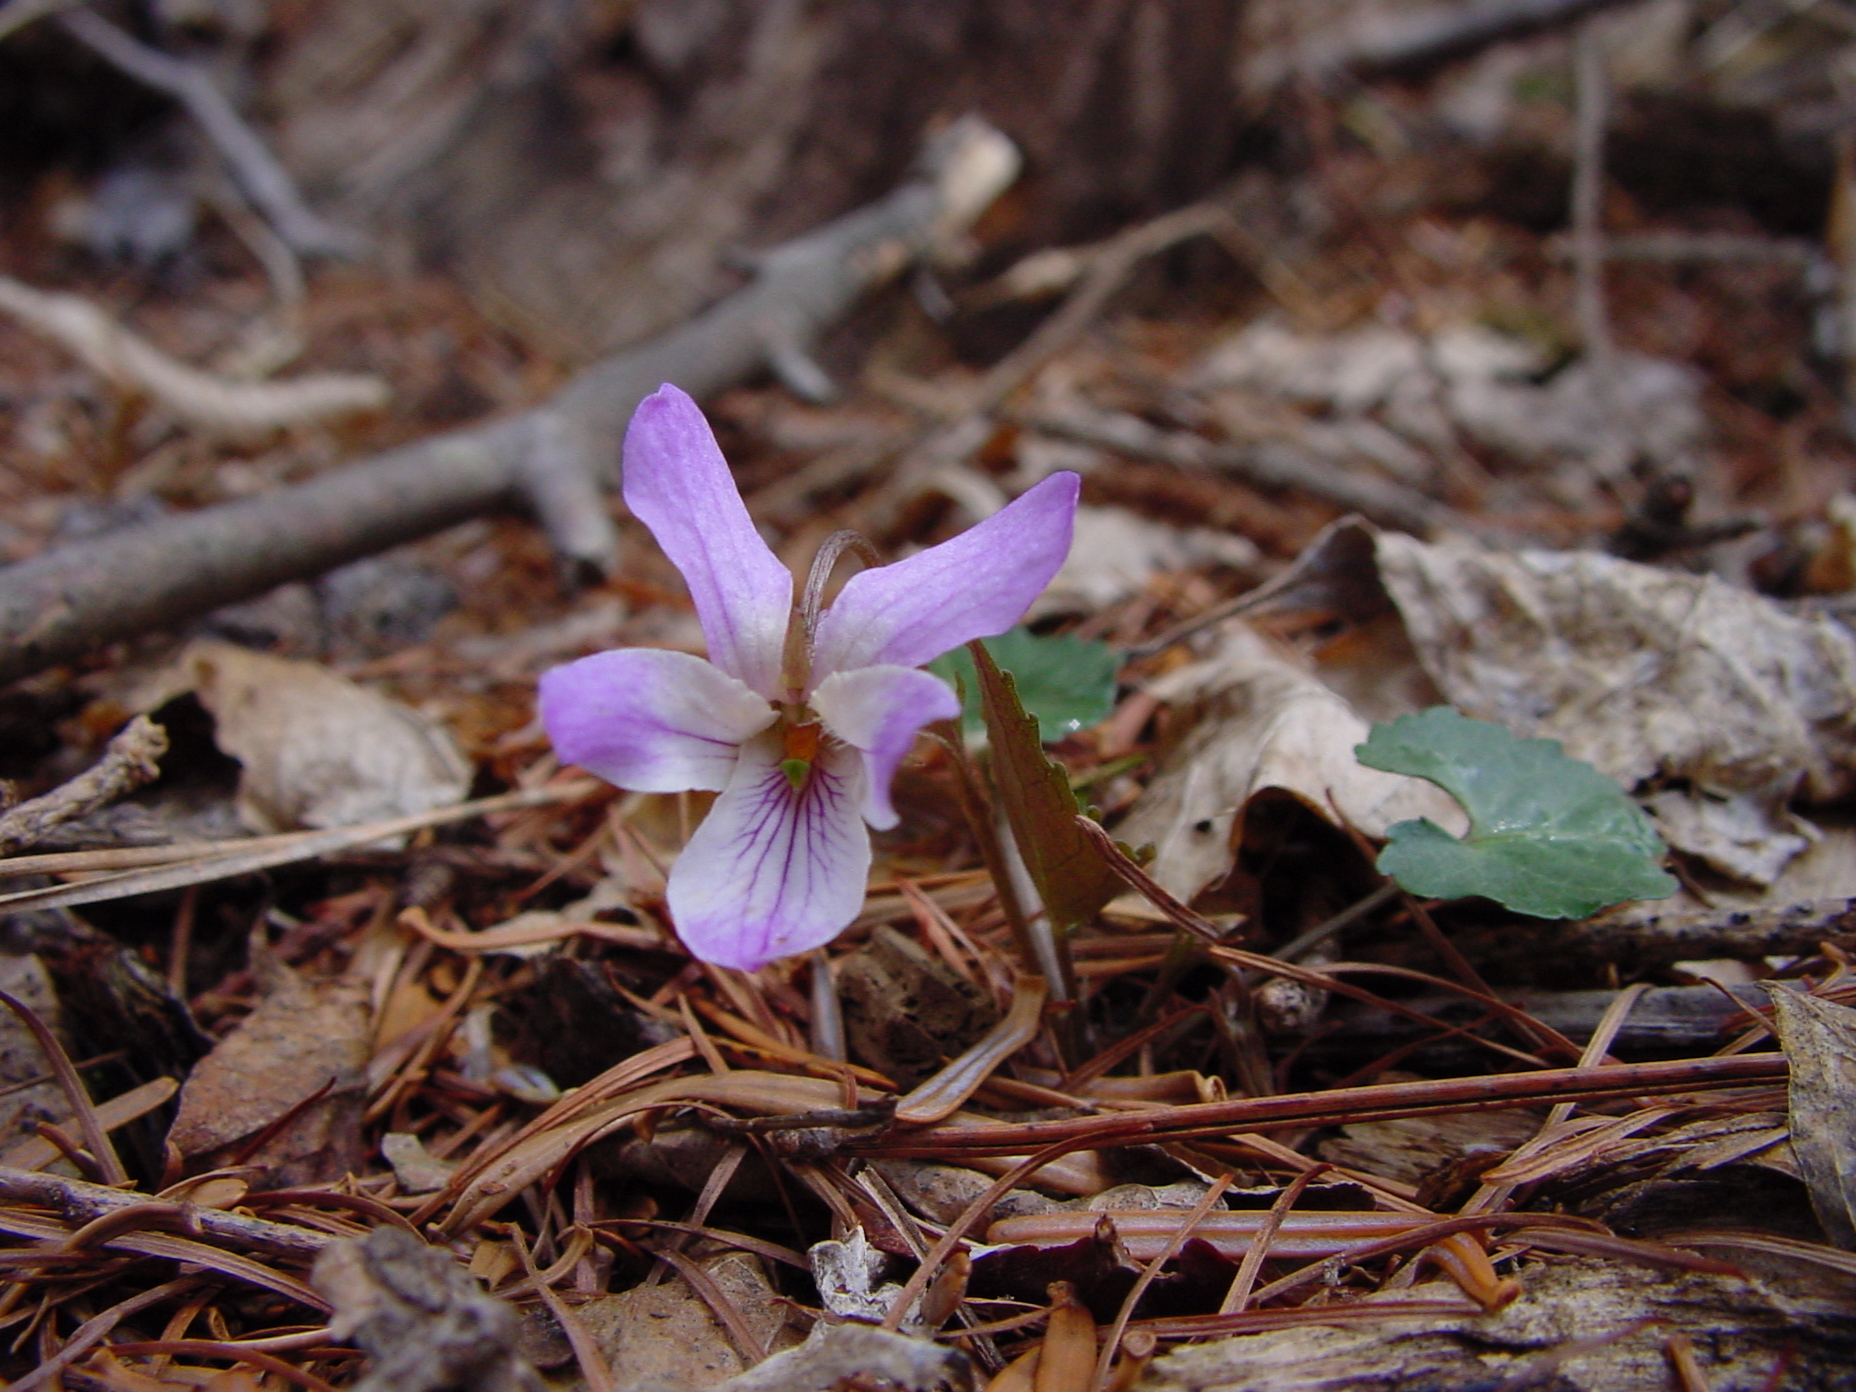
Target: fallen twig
1641 937
1104 270
128 762
1675 248
79 1202
167 1247
1389 41
17 14
227 859
60 605
1270 464
1371 1103
1669 1018
213 403
250 161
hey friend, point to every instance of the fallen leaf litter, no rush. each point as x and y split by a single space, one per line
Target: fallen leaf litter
465 1113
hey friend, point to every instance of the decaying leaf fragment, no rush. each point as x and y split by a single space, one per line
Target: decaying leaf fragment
905 1011
284 1090
318 750
1264 723
422 1320
1819 1037
672 1335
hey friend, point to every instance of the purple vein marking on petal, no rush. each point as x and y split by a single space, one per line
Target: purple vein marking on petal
677 484
975 585
772 872
804 835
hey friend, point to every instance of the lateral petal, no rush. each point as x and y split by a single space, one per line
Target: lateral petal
678 485
975 585
878 711
649 720
773 871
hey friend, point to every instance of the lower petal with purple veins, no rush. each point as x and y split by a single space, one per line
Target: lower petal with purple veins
775 868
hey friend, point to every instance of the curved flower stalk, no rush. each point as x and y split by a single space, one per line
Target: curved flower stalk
799 718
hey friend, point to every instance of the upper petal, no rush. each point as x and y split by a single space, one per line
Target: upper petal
651 721
678 485
877 711
976 585
771 871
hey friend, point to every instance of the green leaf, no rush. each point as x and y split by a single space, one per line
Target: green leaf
1072 877
1067 683
1548 835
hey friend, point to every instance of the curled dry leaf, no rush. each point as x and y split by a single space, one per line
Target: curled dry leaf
318 750
1819 1037
1264 723
849 1277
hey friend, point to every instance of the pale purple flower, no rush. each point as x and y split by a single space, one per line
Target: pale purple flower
800 735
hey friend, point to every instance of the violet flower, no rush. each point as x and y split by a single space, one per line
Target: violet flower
800 717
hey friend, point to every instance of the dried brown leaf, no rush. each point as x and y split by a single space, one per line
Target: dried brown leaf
295 1068
1819 1038
318 750
1264 723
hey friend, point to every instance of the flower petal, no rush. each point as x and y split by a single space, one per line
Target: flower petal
974 586
877 711
771 871
678 485
651 721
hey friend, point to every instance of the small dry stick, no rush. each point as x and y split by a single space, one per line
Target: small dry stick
129 761
1107 269
1841 239
1588 184
251 162
17 14
1590 114
222 405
